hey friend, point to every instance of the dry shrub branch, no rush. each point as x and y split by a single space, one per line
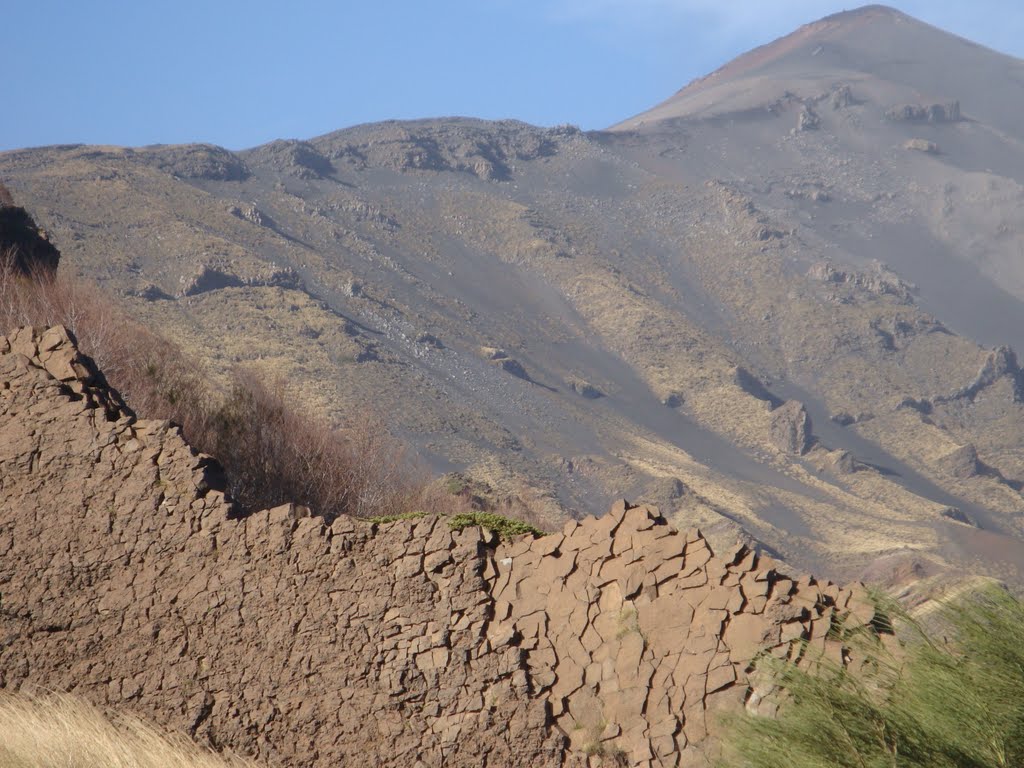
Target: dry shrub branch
272 452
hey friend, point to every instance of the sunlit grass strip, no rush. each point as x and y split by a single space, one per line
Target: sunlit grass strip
61 731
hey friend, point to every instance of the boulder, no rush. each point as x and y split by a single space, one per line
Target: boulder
585 389
922 145
790 429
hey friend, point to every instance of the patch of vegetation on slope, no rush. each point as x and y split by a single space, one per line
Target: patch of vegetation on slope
937 703
272 452
504 527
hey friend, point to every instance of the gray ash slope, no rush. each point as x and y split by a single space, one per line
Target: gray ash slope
833 218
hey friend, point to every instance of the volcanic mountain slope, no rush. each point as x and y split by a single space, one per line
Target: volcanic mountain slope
783 298
126 576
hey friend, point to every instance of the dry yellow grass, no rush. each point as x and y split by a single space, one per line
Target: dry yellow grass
61 731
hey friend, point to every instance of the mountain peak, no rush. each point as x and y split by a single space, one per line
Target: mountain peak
836 23
904 56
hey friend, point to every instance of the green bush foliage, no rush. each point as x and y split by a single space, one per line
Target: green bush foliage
504 527
950 698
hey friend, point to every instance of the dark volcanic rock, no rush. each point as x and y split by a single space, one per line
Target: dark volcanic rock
752 385
791 428
673 400
26 245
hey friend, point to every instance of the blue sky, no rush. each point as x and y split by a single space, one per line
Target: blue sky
243 73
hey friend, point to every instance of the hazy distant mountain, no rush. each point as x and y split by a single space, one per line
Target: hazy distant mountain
833 219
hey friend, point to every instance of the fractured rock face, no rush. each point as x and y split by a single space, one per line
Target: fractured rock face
790 429
961 462
126 575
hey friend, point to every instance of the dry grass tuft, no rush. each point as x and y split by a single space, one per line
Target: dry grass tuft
61 731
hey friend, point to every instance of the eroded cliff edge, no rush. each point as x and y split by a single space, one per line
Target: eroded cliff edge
125 575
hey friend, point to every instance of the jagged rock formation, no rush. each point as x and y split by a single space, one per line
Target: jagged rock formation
126 576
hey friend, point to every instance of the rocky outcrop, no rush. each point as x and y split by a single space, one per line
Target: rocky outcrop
211 278
841 97
585 389
948 112
252 214
790 429
26 246
961 462
999 363
294 158
922 145
127 576
461 146
880 281
195 161
808 119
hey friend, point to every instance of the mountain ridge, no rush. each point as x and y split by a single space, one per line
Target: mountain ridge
580 315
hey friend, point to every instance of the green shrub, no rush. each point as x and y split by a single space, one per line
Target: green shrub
505 527
955 702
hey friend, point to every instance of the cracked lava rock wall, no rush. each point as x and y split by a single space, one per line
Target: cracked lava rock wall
127 577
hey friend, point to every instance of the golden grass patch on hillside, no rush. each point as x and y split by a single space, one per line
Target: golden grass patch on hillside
61 731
